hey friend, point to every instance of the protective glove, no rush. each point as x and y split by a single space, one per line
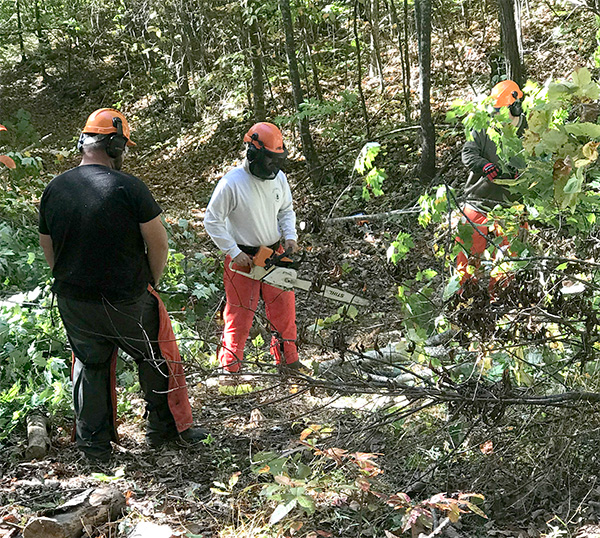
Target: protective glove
491 171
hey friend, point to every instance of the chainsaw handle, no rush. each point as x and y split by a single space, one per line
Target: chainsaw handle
239 269
264 261
275 258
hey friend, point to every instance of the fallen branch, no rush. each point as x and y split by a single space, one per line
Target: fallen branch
477 394
89 509
374 216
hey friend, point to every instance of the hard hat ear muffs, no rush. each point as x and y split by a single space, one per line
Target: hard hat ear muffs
252 153
115 144
516 107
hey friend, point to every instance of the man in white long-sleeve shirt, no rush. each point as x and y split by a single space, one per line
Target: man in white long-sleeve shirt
252 207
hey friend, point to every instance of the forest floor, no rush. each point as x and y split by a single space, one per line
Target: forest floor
212 490
520 462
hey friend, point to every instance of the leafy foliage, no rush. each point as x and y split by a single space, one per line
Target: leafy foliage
558 193
374 177
352 479
35 364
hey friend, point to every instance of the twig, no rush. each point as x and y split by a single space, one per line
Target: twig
437 531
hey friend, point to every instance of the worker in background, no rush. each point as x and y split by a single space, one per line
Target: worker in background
482 193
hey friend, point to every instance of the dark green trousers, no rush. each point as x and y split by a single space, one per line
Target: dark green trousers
95 332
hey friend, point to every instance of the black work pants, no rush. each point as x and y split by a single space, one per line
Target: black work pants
95 331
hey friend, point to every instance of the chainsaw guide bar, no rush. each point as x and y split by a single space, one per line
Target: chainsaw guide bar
266 269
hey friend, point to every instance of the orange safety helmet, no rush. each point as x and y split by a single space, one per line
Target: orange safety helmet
266 136
102 121
505 93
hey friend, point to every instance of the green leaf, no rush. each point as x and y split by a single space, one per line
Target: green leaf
560 90
304 471
452 287
589 130
281 511
119 474
554 139
574 183
350 311
581 77
307 503
367 155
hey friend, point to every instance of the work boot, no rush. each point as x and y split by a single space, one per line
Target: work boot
95 452
191 436
96 457
294 368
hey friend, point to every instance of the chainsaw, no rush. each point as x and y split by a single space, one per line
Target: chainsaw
280 271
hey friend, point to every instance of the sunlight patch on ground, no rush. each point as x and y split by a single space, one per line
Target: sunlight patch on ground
361 403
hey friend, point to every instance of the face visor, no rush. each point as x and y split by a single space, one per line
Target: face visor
265 164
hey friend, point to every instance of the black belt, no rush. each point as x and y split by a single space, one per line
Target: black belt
251 251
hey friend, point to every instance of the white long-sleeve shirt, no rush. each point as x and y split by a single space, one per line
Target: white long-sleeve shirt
247 210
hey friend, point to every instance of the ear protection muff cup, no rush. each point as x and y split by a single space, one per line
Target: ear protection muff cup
253 153
115 144
516 108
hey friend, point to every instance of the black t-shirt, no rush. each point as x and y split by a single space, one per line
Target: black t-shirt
92 214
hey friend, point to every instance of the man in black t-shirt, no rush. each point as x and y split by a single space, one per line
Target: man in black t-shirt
103 238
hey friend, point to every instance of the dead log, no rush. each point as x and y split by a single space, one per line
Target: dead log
89 509
38 436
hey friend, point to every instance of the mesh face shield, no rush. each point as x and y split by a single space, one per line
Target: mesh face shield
263 163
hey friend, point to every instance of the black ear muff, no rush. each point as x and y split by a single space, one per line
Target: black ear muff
115 146
118 125
80 142
253 153
516 108
116 142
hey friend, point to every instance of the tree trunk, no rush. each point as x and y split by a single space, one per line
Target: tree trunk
43 43
186 71
359 71
179 24
314 69
20 28
402 31
258 83
312 159
376 67
313 64
423 22
512 45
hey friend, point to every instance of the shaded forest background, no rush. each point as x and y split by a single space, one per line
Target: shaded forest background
484 411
